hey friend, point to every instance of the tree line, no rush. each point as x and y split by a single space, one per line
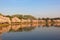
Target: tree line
29 17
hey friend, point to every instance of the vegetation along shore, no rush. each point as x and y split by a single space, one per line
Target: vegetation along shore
26 19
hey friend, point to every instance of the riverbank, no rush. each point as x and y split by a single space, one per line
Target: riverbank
22 19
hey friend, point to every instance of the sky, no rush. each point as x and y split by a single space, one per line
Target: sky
38 8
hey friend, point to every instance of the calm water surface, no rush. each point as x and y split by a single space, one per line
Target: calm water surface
30 32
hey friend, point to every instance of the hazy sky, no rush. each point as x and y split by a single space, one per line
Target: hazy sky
38 8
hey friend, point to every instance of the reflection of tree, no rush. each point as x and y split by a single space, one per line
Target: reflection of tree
23 27
28 28
5 29
57 26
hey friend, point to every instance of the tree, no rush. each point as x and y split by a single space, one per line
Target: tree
29 17
1 14
9 16
39 18
19 16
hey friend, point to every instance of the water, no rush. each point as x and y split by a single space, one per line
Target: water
30 32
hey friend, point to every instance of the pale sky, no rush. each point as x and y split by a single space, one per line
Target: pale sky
38 8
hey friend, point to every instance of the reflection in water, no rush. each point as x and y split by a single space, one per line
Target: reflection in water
5 29
24 27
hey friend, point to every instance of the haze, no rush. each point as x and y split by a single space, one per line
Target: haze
38 8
